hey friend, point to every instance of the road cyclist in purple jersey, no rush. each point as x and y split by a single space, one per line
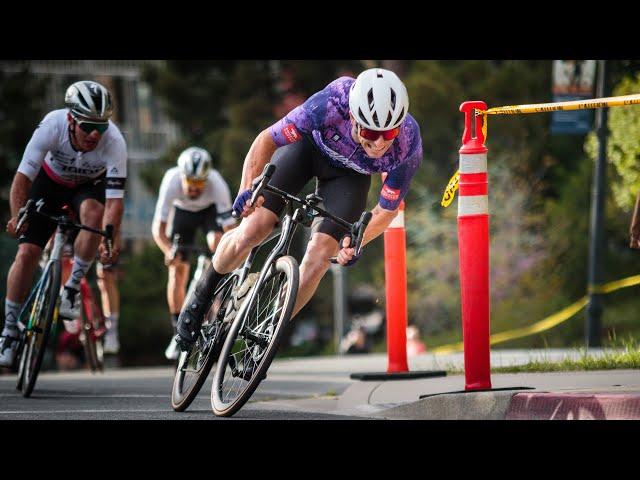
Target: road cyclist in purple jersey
341 135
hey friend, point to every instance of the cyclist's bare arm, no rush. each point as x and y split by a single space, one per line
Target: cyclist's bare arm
258 156
17 199
158 230
113 210
380 220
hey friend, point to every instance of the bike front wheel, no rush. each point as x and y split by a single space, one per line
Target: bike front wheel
195 364
43 312
254 337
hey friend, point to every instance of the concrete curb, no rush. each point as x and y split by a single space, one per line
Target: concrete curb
574 406
514 405
453 406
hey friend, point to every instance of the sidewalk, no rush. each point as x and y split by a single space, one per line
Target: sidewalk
610 394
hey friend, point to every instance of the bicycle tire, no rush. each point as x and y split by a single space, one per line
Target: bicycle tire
261 320
36 338
93 345
203 354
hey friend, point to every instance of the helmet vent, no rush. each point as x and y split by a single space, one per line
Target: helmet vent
389 117
98 102
83 101
375 119
370 98
393 99
362 117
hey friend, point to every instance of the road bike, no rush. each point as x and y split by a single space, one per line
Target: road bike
250 311
40 310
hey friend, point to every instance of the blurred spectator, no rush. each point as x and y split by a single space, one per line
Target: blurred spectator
414 344
355 341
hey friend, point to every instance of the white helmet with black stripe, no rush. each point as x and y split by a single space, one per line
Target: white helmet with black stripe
195 163
89 100
378 99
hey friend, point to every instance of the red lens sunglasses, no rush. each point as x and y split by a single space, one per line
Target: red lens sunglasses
372 135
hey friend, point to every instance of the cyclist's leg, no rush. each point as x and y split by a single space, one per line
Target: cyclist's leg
344 196
88 202
21 272
210 226
36 236
177 286
110 301
184 224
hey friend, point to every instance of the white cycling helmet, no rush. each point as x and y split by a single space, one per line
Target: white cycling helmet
378 99
195 163
89 100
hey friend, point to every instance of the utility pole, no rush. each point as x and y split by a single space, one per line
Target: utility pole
593 323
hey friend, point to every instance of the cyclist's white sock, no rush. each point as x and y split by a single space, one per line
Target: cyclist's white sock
11 312
112 322
80 268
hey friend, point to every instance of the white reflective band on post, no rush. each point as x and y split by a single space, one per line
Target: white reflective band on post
473 163
398 222
473 205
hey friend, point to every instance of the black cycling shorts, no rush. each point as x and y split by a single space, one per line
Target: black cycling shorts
55 197
344 191
185 224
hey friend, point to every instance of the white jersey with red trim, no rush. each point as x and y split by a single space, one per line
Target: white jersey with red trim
171 193
50 148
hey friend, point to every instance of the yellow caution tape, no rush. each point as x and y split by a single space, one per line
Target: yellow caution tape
572 105
484 125
450 191
548 322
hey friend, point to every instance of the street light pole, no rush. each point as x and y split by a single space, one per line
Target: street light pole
593 324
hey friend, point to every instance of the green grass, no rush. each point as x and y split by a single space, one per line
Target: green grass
623 355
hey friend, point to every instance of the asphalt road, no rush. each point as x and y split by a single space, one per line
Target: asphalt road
144 394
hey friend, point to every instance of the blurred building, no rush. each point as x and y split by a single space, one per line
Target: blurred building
147 130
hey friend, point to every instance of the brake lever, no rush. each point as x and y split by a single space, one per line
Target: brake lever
358 231
23 213
258 185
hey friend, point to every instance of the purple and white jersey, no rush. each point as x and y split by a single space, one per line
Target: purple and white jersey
324 117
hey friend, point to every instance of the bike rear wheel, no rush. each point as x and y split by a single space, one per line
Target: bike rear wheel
37 335
254 337
92 331
194 365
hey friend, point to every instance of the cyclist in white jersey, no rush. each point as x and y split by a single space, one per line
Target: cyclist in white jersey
192 194
77 157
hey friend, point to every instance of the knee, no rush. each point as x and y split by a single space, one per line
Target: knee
91 213
28 255
319 250
249 237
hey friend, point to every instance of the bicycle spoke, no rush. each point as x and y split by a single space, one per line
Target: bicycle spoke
253 337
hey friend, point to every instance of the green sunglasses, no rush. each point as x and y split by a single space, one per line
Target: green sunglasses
89 127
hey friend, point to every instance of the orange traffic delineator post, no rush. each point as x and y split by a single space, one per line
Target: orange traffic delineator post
473 244
395 269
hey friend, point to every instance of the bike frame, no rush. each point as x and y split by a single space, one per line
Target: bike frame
55 256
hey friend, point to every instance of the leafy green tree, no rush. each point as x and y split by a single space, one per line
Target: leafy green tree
623 149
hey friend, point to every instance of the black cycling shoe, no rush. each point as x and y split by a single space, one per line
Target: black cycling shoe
190 322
